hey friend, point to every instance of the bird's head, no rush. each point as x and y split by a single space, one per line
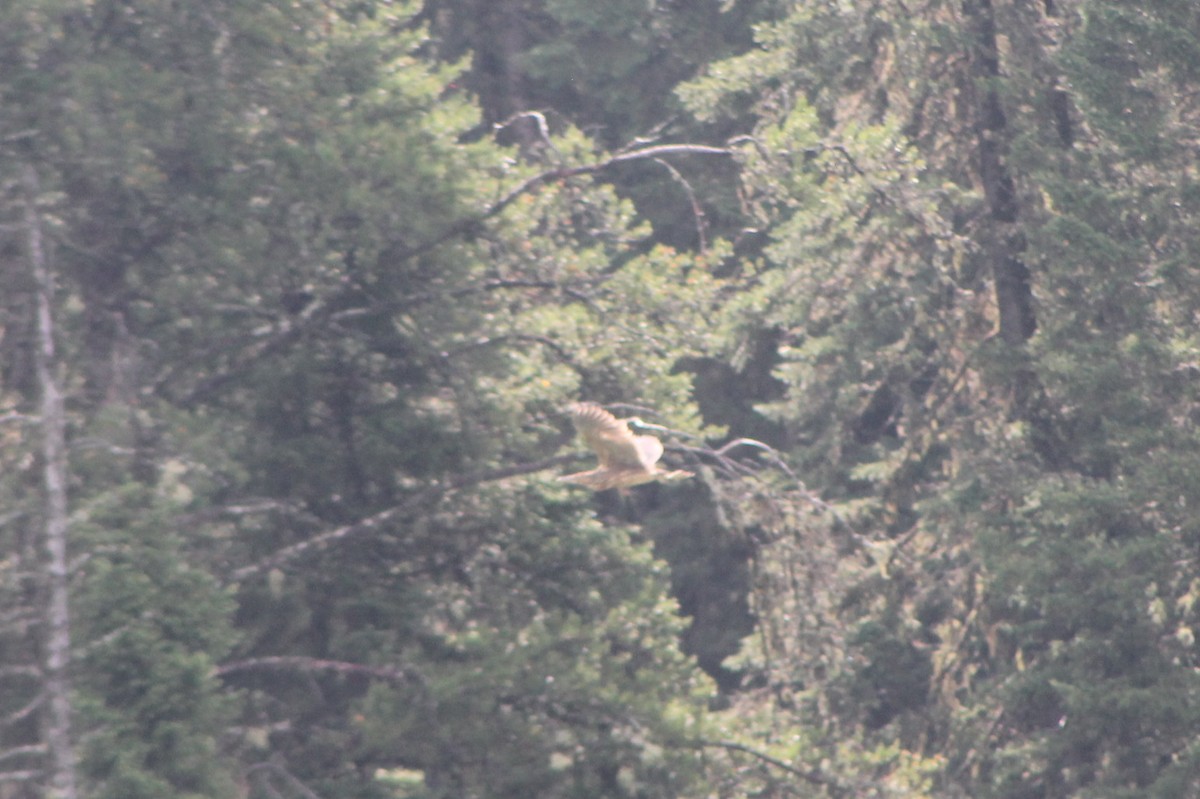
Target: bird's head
637 424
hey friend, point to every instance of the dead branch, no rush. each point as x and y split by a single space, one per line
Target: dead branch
20 671
505 338
288 777
316 665
471 223
279 335
697 210
811 776
28 775
22 751
19 619
20 418
23 712
324 540
250 507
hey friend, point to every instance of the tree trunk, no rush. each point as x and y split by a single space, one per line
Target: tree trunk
54 455
1003 238
1004 241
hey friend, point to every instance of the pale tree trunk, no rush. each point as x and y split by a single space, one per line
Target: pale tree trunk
54 453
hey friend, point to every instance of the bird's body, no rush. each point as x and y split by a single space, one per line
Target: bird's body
625 459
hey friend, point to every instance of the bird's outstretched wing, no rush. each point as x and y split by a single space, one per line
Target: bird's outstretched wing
611 439
625 459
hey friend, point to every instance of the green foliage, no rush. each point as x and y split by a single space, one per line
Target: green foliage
318 328
154 627
1029 552
574 686
1126 63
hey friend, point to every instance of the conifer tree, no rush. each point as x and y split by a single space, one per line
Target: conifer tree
977 378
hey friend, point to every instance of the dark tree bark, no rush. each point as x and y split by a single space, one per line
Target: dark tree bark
1003 238
501 40
1004 241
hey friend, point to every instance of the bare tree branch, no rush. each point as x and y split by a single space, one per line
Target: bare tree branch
21 776
21 418
270 341
22 751
562 173
20 671
316 665
811 776
248 507
289 778
492 341
267 340
278 336
697 210
23 712
328 538
19 619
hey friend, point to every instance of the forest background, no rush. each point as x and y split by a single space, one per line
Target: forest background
295 293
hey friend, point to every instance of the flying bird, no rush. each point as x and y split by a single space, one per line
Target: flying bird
626 459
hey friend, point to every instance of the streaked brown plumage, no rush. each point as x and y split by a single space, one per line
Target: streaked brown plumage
626 459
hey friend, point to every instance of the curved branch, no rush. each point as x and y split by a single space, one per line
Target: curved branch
697 210
19 418
468 224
